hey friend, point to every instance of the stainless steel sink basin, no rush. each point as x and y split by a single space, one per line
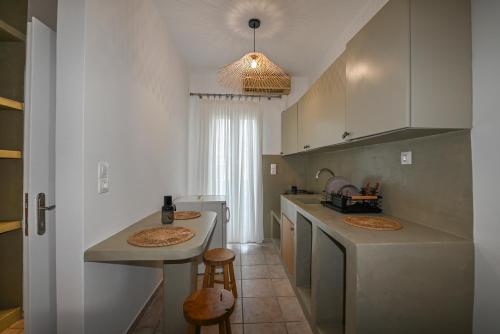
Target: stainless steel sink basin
309 200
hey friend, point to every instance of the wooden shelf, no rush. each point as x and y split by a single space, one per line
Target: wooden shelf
7 226
7 154
9 316
10 34
11 104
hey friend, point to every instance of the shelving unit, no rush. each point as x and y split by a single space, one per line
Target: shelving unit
9 154
10 34
7 226
9 316
13 22
10 104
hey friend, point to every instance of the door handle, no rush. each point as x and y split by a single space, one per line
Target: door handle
228 214
40 213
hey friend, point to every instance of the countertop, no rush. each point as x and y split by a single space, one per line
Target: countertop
200 199
331 222
116 248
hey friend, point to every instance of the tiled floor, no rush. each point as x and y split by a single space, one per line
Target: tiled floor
266 305
15 328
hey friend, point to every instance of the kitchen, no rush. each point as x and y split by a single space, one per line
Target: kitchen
350 191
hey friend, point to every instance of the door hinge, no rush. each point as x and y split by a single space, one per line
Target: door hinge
26 214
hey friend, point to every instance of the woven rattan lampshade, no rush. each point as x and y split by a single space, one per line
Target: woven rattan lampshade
255 73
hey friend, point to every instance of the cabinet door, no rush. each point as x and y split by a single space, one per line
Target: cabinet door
378 73
322 109
288 244
289 130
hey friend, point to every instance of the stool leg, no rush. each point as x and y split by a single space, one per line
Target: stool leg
206 276
197 329
211 282
233 281
222 327
226 277
228 326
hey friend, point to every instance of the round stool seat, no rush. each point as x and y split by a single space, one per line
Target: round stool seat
218 256
208 306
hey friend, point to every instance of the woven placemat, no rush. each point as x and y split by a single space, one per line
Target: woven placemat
374 223
161 236
183 215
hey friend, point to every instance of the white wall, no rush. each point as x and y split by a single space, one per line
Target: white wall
486 163
133 114
69 165
206 82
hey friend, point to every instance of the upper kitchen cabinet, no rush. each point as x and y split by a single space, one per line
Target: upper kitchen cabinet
321 111
410 67
289 130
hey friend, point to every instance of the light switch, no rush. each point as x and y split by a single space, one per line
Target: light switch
273 169
102 177
406 158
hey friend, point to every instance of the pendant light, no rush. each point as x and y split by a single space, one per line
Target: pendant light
254 72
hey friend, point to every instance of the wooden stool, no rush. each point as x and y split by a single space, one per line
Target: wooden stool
209 306
220 257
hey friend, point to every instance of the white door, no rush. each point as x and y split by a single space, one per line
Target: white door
39 178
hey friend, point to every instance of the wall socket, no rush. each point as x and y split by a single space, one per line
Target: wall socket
102 177
273 169
406 158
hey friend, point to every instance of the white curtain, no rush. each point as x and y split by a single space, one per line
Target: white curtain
225 147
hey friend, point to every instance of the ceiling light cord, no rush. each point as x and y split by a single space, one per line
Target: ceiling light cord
253 39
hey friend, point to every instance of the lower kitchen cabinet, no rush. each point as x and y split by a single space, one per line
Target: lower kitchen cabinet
350 280
288 244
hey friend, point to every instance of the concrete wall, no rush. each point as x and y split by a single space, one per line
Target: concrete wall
486 163
122 98
290 171
436 190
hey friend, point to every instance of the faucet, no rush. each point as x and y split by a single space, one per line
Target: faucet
318 173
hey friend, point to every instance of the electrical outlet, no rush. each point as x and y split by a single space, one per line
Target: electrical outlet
102 177
406 158
273 169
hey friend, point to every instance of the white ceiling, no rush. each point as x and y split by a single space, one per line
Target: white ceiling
295 34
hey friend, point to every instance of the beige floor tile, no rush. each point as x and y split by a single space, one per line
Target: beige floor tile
258 310
238 286
276 271
252 272
298 328
291 309
257 288
272 259
265 328
237 271
251 249
236 248
237 315
235 329
252 259
282 287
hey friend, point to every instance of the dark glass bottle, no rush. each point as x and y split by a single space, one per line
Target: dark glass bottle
167 211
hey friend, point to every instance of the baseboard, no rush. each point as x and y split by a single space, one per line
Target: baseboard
139 316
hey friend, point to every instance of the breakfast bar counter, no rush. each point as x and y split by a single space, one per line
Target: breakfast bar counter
179 261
